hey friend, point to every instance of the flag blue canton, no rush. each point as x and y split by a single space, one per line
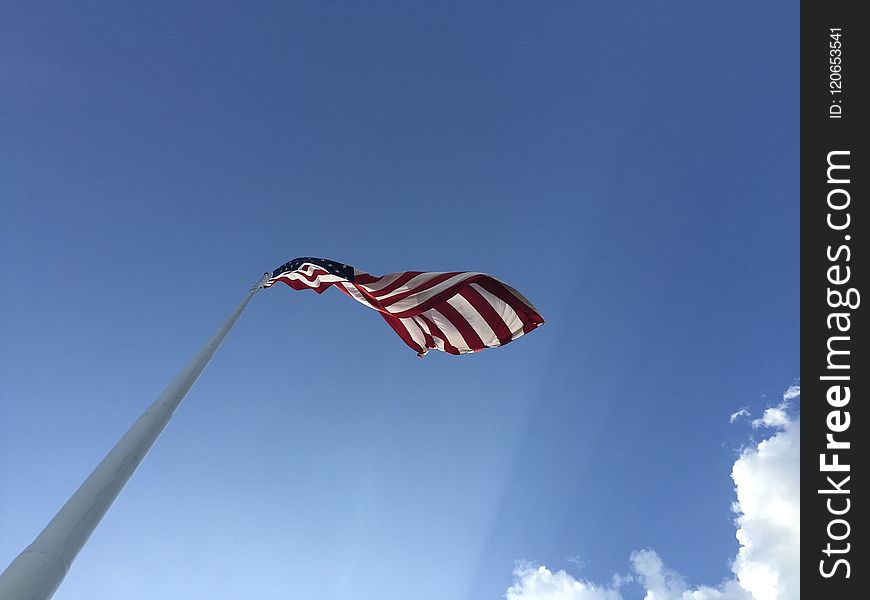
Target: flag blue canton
336 268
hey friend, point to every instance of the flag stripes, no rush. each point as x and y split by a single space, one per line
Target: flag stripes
455 312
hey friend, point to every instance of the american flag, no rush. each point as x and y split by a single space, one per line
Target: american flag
456 312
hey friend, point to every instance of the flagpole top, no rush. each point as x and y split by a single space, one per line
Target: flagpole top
261 284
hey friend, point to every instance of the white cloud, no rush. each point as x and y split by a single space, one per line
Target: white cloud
777 416
740 413
577 561
660 582
767 480
539 583
792 392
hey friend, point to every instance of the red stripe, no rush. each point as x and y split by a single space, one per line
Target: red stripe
399 328
365 279
300 285
314 275
376 304
341 289
305 276
529 317
436 332
430 343
400 281
472 340
440 297
421 288
493 319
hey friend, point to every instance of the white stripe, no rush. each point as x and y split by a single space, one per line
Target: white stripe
413 283
308 269
439 343
518 295
475 319
382 282
316 282
322 275
504 310
355 294
416 299
414 331
453 335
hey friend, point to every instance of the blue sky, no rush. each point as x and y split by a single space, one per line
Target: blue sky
631 167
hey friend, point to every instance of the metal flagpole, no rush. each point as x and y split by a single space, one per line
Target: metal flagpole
39 569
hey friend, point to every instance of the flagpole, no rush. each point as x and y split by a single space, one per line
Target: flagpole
37 572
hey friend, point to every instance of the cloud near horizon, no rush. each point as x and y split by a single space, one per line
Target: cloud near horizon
766 480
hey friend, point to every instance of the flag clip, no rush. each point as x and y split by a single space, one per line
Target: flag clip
262 283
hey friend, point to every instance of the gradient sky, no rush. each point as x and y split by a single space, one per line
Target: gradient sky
632 168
